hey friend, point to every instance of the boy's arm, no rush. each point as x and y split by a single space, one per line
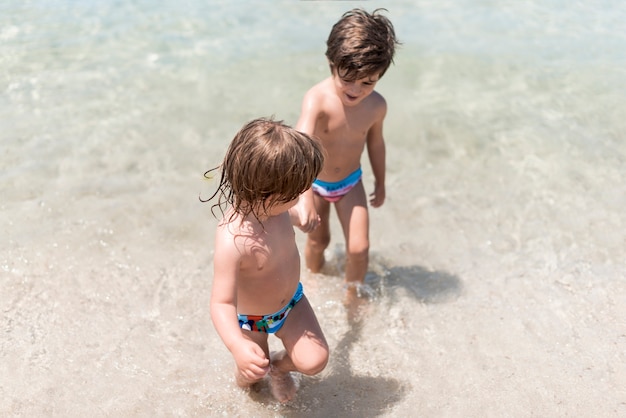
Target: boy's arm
298 212
308 219
304 215
376 152
249 357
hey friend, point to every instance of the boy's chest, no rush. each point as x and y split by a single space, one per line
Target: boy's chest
270 250
263 259
347 125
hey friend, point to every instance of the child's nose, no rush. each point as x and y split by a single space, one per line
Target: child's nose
354 88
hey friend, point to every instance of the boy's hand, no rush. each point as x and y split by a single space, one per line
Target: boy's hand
251 361
307 217
377 196
309 220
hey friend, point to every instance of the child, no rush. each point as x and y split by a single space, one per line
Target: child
346 114
256 289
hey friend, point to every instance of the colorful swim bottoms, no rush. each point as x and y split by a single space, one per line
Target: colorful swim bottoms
333 191
270 323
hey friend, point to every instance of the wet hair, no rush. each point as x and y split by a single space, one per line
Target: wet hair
361 44
267 163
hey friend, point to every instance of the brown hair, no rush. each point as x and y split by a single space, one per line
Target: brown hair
361 44
267 163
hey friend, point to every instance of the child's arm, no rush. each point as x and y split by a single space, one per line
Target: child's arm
376 152
301 212
304 215
308 219
250 358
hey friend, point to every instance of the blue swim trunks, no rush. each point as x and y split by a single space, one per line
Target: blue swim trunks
270 323
333 191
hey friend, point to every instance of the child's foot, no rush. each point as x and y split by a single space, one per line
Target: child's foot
282 385
242 382
317 267
356 298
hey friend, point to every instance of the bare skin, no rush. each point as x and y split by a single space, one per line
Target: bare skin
347 117
256 272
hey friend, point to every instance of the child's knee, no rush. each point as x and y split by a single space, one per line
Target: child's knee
359 250
320 243
313 363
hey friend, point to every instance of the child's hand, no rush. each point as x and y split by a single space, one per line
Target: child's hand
377 196
251 361
308 222
304 216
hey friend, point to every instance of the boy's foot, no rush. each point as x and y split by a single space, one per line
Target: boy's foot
242 382
356 298
282 385
317 267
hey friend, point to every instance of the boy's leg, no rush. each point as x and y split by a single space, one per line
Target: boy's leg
354 218
318 239
306 350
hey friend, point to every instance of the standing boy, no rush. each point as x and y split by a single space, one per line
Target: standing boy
346 114
256 281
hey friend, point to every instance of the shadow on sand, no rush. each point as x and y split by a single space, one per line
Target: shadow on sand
425 286
343 393
386 280
340 391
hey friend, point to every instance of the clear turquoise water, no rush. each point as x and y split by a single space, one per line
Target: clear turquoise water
498 259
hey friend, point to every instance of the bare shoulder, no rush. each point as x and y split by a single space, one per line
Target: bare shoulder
319 94
227 237
316 105
377 101
375 107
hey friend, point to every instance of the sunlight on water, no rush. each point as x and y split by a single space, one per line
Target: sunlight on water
496 263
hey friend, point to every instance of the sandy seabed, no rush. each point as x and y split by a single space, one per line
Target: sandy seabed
485 311
498 261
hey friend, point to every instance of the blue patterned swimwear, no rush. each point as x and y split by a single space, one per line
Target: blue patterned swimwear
270 323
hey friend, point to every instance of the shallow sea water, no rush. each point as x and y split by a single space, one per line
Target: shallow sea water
498 260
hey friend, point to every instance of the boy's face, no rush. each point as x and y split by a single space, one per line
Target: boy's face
352 93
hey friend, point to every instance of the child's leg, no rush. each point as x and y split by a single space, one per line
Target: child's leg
306 350
354 219
318 239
